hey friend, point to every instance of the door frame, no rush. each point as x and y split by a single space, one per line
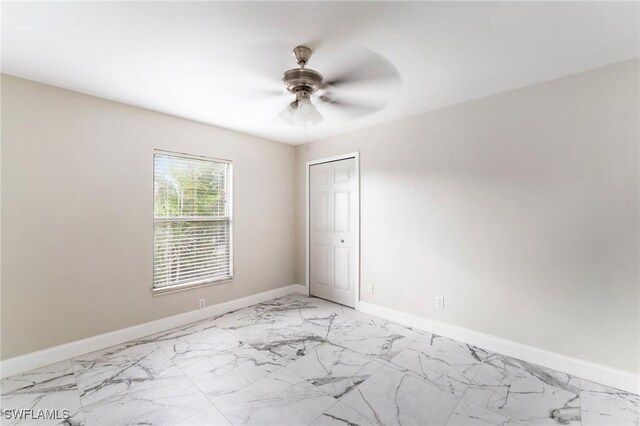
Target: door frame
355 155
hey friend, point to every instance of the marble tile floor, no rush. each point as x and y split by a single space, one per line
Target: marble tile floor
298 360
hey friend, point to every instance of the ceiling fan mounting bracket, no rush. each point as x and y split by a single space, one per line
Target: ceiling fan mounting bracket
302 54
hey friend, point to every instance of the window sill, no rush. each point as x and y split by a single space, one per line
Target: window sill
189 286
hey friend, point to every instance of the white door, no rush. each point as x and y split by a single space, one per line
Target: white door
333 211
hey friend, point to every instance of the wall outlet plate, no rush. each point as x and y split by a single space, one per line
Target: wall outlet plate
201 304
440 302
370 288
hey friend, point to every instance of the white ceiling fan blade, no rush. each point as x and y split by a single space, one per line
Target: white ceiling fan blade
342 109
265 60
359 65
358 100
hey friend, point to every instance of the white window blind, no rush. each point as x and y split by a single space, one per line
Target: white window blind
192 221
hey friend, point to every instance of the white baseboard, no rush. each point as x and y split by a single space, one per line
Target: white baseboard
58 353
598 373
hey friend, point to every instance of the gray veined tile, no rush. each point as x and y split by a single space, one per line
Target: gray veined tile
323 321
329 350
468 414
446 363
343 319
136 387
290 298
353 318
304 315
190 348
342 415
395 328
325 305
223 373
48 388
281 398
208 417
282 311
369 340
525 392
605 406
143 345
240 318
148 343
99 378
391 397
165 400
335 370
281 344
124 350
309 301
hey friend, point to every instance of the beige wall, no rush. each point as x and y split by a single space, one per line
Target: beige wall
521 209
77 209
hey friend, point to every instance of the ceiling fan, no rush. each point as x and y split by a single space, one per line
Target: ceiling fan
358 83
302 82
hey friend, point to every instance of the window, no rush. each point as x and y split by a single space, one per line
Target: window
192 221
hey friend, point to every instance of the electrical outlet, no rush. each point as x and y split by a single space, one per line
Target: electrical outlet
370 288
201 304
440 302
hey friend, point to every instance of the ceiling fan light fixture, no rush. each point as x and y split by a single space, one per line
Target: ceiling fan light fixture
305 106
302 111
310 113
288 114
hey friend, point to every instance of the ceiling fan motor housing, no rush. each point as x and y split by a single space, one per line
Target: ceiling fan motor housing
302 79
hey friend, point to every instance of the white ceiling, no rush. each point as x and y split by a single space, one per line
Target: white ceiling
182 58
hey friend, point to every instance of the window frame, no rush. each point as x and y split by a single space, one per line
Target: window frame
228 218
